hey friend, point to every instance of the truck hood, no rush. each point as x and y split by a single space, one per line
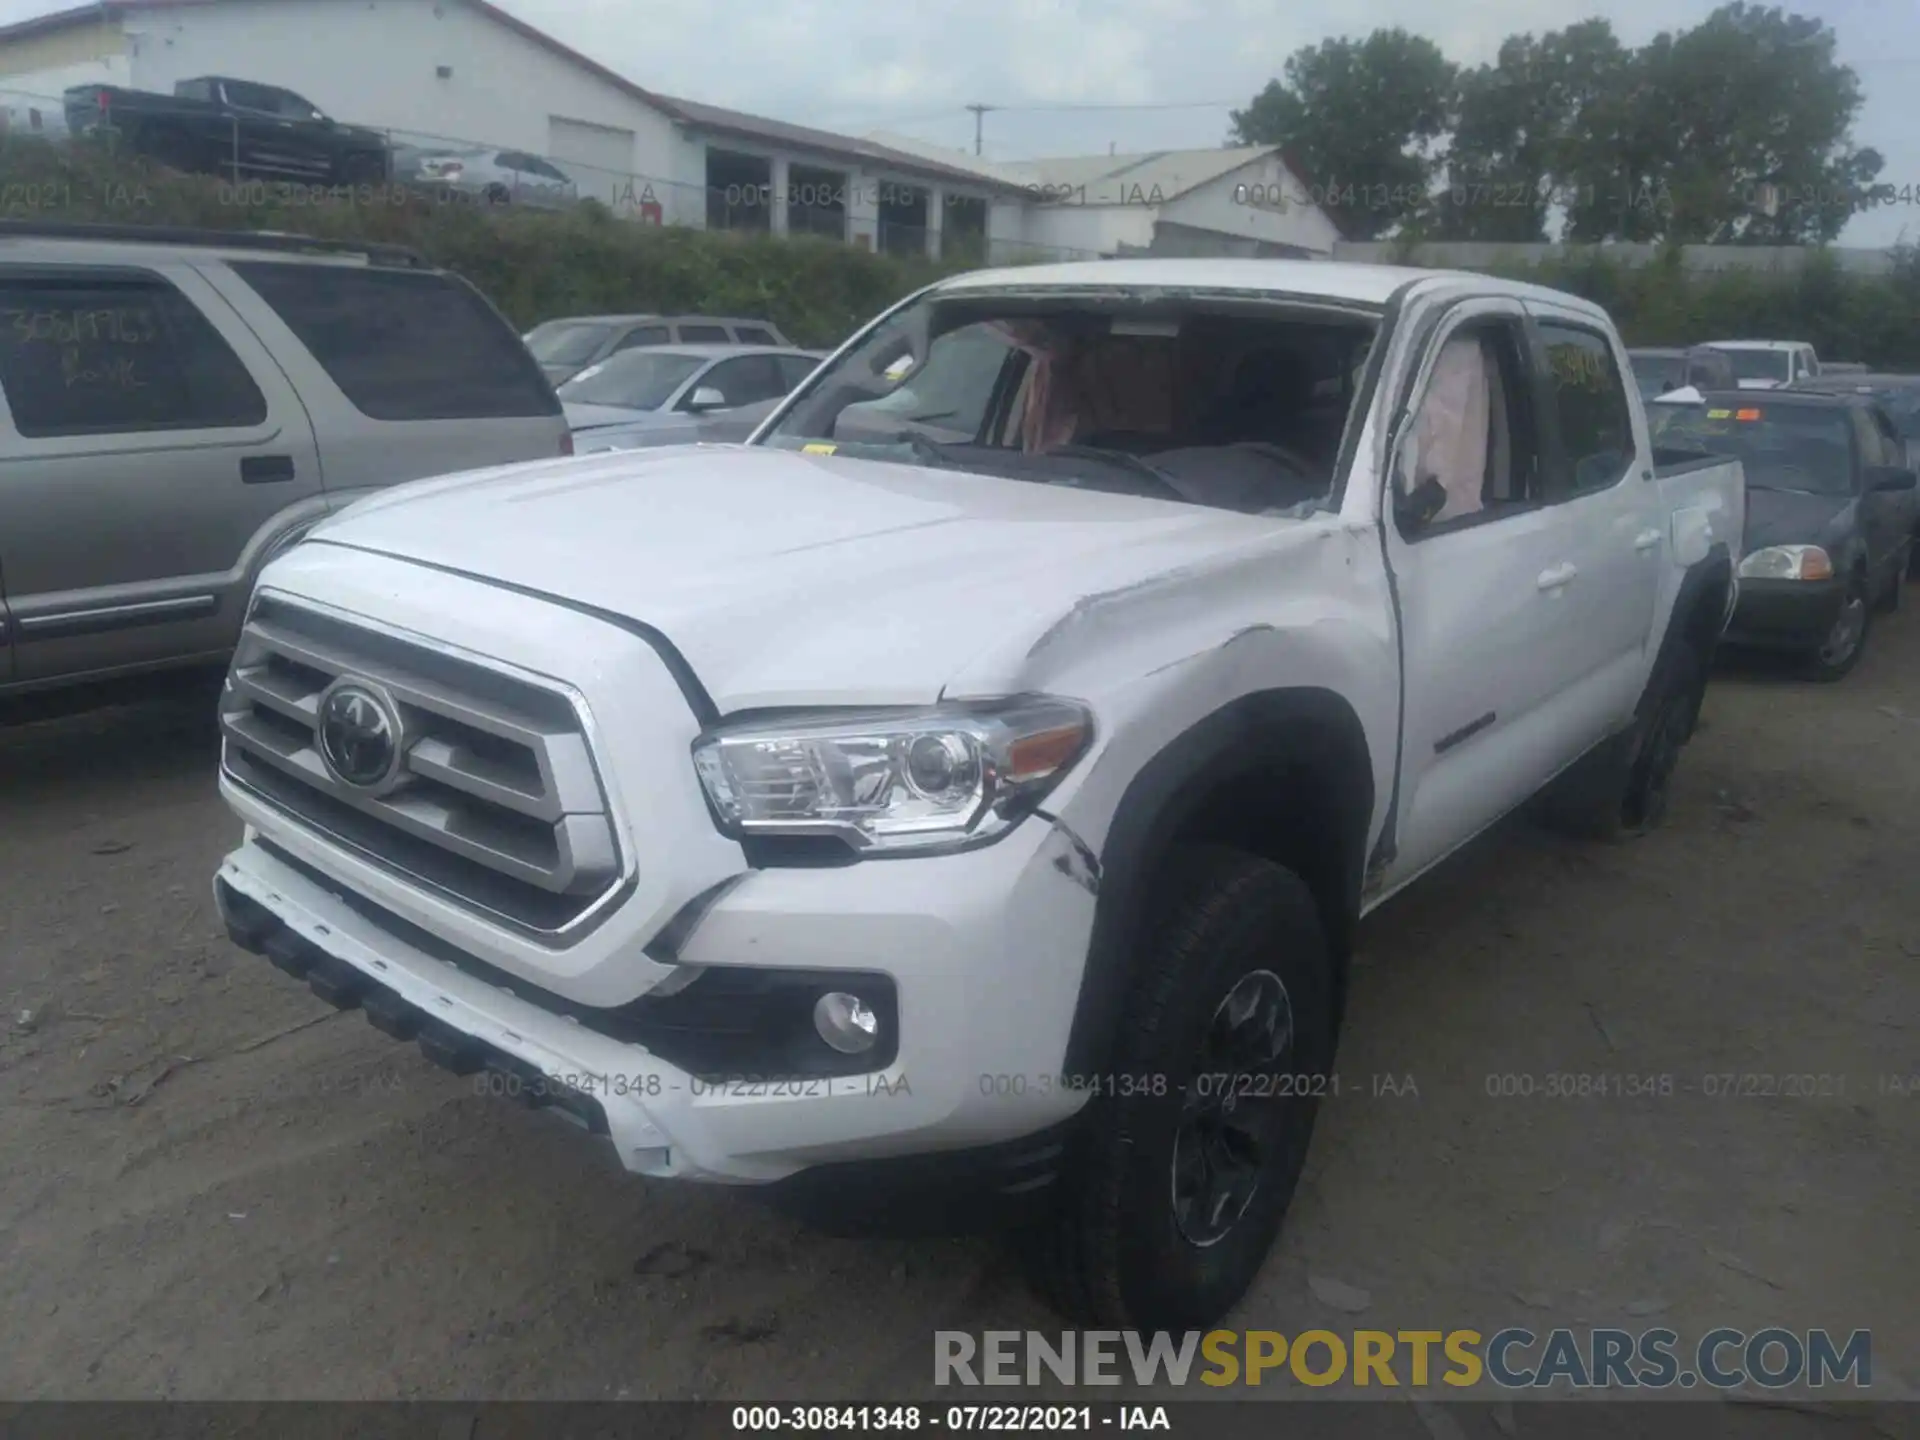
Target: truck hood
785 578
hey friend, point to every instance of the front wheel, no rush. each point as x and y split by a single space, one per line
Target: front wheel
1193 1143
1840 651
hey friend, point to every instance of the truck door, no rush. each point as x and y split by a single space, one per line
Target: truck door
1619 540
6 619
1482 585
150 449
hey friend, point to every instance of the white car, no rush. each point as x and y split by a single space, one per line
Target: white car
497 177
1767 364
926 833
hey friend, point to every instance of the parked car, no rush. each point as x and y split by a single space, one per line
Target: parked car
668 387
219 126
1658 371
721 427
178 406
1763 364
1831 514
496 177
918 833
566 347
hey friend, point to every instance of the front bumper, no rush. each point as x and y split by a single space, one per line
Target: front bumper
1785 614
982 987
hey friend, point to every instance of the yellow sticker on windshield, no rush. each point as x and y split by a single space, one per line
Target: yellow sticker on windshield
1719 414
818 448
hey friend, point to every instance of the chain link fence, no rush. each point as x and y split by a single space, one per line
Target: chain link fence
456 169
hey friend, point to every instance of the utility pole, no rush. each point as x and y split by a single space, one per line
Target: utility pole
979 113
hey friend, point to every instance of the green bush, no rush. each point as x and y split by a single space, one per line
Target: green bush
1874 319
534 266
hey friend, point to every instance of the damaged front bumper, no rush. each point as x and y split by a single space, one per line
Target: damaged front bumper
981 955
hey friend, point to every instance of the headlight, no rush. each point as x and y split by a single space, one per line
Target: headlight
893 781
1788 562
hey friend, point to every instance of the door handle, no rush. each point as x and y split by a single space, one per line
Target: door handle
1558 578
1646 540
265 469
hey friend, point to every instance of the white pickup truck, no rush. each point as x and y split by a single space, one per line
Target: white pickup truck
925 831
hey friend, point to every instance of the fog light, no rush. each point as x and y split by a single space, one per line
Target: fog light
845 1022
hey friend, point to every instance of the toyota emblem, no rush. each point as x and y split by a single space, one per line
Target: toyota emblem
360 736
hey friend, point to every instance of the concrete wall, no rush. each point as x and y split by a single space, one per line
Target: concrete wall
1699 259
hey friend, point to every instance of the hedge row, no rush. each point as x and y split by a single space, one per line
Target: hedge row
537 266
534 266
1873 319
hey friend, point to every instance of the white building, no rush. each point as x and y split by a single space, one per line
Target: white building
433 72
1240 202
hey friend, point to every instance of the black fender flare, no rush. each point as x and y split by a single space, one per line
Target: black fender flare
1713 570
1254 734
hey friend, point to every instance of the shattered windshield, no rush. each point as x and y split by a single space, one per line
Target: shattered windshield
1239 407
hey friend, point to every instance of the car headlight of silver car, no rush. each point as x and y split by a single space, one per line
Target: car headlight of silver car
1788 562
891 781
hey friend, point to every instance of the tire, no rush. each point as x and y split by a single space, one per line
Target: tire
363 170
1622 789
1234 935
1835 658
171 147
1890 598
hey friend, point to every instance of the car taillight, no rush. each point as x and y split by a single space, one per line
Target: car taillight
566 443
102 100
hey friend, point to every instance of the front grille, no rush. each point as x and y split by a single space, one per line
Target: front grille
497 803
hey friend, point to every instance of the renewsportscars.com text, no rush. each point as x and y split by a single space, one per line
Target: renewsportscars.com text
1510 1359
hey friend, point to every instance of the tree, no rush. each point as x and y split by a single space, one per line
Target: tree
1361 117
1520 121
1736 131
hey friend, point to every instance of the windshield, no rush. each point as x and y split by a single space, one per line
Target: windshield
633 380
566 344
1781 447
1658 374
1758 364
1235 406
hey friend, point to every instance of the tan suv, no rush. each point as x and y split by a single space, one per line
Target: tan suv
175 406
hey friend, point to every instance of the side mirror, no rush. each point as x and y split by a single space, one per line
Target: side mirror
1888 479
1415 509
705 398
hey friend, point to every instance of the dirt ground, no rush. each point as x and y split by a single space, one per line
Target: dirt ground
215 1187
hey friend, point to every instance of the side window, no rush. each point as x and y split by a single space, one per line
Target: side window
1590 401
643 335
743 381
1473 447
794 369
1867 436
704 335
403 345
109 355
754 335
1891 441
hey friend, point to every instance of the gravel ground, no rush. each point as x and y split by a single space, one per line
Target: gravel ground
216 1187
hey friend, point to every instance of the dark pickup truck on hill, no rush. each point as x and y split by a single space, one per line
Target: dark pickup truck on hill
217 126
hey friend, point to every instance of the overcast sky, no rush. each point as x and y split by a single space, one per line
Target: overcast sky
862 65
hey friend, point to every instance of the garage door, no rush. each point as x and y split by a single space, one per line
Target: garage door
598 157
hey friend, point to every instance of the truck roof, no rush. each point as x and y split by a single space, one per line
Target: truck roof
1371 285
1756 344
